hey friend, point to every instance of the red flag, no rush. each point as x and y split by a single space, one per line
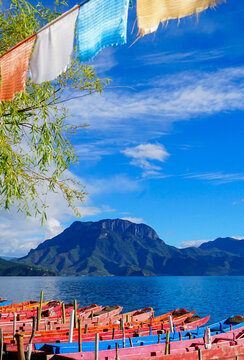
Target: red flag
14 68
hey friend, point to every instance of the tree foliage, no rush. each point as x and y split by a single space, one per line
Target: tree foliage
35 150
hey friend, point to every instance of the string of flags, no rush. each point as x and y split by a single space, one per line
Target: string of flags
100 23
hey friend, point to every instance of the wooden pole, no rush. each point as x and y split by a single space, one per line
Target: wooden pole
75 314
63 313
113 335
92 315
21 353
1 343
199 354
96 345
29 350
159 337
171 327
117 351
123 329
131 343
86 328
208 340
40 310
14 325
79 335
37 316
71 325
167 343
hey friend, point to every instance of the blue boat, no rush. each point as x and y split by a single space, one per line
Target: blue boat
5 303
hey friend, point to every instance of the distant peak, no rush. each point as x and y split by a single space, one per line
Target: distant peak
119 226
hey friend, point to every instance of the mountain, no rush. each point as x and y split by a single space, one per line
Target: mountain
120 247
13 268
228 244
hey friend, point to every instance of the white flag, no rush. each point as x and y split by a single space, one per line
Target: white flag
54 46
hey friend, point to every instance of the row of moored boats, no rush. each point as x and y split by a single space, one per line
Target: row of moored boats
67 331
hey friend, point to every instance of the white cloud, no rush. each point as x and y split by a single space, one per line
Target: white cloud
134 220
141 154
53 227
238 237
195 243
160 102
147 151
86 211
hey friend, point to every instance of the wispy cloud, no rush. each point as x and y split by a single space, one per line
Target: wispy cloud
160 58
104 61
158 103
133 219
238 202
195 243
143 154
119 183
216 177
86 211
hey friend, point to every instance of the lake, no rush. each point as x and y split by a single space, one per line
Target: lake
218 296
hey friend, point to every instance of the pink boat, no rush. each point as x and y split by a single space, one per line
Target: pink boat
129 317
186 349
233 352
106 313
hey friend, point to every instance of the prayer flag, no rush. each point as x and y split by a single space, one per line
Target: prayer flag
101 23
54 46
14 68
151 12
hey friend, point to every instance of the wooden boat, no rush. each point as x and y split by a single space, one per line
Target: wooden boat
108 312
230 352
136 316
4 304
13 307
230 338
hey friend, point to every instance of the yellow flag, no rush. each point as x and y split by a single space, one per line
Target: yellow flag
151 12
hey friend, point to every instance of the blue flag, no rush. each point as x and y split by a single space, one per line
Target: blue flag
101 23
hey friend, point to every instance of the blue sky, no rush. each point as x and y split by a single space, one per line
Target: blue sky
165 145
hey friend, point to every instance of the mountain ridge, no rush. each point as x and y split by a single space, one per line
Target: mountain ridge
14 268
119 248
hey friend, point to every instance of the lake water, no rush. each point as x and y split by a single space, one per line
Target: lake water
218 296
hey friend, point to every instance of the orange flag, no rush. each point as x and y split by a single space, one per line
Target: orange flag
14 67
